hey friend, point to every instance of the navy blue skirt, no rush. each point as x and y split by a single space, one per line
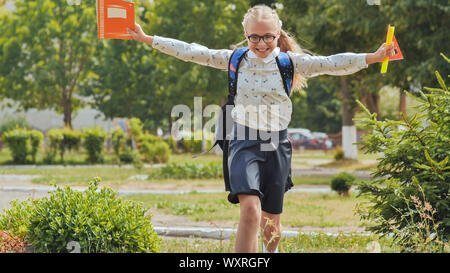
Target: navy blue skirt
259 163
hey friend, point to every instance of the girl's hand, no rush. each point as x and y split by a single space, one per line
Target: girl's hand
138 34
380 54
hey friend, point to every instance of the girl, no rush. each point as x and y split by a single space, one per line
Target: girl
259 178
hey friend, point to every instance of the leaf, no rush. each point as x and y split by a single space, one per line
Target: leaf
422 166
432 162
444 162
434 89
440 80
445 57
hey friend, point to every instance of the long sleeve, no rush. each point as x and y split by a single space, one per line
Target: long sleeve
217 58
337 65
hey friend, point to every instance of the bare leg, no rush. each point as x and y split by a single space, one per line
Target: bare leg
250 215
271 225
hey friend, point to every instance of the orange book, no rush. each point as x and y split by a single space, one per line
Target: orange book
113 18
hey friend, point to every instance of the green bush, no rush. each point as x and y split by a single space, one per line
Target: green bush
341 183
119 143
98 220
188 171
172 143
62 140
36 138
23 143
149 138
126 155
55 140
93 142
157 152
339 153
192 142
410 193
136 128
10 123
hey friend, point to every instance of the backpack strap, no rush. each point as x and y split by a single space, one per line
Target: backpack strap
286 68
233 66
225 118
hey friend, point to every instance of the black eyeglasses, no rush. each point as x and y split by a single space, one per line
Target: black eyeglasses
266 38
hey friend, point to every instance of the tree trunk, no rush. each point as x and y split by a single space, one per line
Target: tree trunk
402 104
372 102
67 105
348 126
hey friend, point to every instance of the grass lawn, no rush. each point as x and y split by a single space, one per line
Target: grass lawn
319 154
320 243
300 209
118 176
349 165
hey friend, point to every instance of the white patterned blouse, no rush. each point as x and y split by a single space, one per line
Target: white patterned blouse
261 101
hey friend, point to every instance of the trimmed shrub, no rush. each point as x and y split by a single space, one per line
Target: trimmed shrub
188 171
119 142
36 138
170 140
55 140
98 220
136 128
157 152
93 142
23 143
126 155
341 183
10 123
339 153
62 140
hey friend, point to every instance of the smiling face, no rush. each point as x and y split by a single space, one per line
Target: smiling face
262 28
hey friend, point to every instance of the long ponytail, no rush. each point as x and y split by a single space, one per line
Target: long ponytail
286 43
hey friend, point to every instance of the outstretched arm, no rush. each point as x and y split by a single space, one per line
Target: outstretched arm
187 52
339 64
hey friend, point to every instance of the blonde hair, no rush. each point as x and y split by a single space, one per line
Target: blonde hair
286 41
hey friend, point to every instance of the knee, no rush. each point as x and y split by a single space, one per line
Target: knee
250 213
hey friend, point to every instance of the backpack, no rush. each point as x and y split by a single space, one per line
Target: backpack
225 121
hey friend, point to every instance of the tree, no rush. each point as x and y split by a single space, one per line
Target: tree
145 83
422 31
332 27
46 52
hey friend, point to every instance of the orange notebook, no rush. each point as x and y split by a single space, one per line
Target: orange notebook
113 18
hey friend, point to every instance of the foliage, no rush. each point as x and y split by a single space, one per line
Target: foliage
46 54
342 182
11 244
188 171
36 138
339 154
144 83
9 123
136 128
23 143
171 141
413 173
193 143
63 140
97 219
93 142
157 152
119 141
